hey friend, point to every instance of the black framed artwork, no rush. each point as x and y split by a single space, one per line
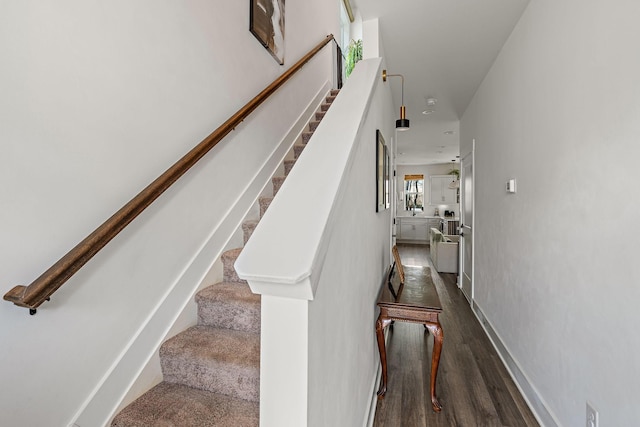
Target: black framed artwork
382 173
267 25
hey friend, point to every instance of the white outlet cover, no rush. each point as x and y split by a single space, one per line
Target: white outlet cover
511 186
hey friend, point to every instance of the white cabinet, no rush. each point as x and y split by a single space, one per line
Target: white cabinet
440 193
412 229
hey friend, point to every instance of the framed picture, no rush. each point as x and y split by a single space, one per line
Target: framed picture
387 168
267 25
381 163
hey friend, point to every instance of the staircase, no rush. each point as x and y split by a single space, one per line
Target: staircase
211 371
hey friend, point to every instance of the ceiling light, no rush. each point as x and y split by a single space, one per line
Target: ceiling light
402 123
431 106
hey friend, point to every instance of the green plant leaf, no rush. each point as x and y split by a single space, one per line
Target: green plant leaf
354 54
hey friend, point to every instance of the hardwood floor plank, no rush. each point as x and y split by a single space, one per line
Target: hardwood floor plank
473 386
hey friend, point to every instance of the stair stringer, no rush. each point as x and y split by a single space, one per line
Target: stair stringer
138 367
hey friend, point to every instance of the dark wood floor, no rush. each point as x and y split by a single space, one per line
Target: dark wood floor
473 384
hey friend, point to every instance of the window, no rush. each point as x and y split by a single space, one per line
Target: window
414 192
345 27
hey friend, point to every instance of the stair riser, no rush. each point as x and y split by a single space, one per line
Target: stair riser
306 136
228 315
217 377
297 150
277 184
288 165
264 205
229 272
248 227
229 306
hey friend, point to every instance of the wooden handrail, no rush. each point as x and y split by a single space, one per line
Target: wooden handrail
41 289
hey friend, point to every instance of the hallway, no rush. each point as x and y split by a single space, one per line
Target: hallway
473 384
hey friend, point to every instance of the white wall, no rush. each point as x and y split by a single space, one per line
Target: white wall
427 171
98 100
559 111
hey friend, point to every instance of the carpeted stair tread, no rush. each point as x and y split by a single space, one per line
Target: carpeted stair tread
264 204
229 305
288 165
329 99
325 106
248 227
313 125
214 359
277 182
334 92
320 115
228 259
176 405
306 136
297 150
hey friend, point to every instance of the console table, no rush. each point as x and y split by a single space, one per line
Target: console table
417 301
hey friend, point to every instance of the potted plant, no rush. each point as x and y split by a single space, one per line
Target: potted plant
354 54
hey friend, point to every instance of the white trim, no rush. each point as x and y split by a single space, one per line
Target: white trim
537 405
370 416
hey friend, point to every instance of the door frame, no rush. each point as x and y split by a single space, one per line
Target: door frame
466 160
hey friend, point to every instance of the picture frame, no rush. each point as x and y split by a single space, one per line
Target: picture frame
387 185
381 165
266 23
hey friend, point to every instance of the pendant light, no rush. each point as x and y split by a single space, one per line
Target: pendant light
455 183
402 123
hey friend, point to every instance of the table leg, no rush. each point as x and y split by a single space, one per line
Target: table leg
438 336
381 323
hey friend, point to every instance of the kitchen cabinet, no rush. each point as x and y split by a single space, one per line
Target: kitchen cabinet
412 229
440 193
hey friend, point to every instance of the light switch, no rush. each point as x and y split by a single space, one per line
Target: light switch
511 186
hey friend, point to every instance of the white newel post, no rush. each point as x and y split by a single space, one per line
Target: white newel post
283 362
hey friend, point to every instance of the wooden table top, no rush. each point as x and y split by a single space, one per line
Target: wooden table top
418 291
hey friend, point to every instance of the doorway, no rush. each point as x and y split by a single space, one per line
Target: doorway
466 223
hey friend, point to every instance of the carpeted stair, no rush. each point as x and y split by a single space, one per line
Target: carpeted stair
211 371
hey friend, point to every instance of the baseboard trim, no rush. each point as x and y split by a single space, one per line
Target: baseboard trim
370 416
530 394
100 406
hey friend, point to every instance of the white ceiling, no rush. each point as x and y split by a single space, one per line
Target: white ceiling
443 48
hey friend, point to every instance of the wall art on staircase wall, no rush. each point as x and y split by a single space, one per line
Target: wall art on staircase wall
267 25
382 173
